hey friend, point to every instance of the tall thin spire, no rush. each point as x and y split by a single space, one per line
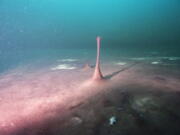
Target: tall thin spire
97 72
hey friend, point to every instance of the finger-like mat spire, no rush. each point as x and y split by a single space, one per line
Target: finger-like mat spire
97 73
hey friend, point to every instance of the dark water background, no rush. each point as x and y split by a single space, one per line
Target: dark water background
32 30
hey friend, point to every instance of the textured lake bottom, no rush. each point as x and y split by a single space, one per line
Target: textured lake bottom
141 97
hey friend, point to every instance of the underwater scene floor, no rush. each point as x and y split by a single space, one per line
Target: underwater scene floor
139 96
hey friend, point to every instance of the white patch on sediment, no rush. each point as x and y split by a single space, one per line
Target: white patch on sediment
154 58
174 58
68 60
120 63
63 66
112 120
140 58
169 58
155 62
